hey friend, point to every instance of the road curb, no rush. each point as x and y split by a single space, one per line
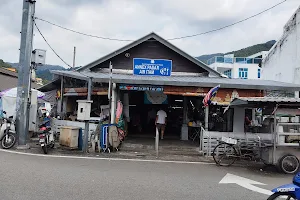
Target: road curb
107 158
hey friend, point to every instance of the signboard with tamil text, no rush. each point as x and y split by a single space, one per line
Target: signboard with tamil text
152 67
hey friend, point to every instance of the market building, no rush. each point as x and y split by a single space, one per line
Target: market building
150 74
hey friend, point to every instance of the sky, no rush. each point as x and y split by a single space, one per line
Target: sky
133 19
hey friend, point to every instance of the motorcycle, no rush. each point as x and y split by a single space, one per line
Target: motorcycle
8 136
289 191
46 137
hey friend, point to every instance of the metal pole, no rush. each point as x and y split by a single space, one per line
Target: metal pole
156 142
274 138
24 71
110 90
74 55
87 123
61 96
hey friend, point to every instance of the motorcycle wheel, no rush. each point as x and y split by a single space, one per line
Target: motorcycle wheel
45 149
281 196
11 141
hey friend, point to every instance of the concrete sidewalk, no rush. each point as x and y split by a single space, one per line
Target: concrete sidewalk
130 150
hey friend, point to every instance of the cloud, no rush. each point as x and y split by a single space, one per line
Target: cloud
132 19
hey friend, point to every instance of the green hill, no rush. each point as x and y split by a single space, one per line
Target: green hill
4 64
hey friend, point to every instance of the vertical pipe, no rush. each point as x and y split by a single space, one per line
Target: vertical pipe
74 56
113 104
110 89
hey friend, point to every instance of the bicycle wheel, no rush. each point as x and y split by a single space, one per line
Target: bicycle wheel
225 154
289 164
281 196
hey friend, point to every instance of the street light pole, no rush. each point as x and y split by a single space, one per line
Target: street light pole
22 107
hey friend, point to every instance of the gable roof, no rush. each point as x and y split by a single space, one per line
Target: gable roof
159 39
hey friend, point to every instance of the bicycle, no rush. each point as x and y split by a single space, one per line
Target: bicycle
229 149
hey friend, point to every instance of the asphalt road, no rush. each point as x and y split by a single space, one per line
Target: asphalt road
30 177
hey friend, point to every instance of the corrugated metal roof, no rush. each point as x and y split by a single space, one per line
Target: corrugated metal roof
270 99
182 81
143 39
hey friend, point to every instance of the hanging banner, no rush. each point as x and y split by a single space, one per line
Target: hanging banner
152 67
141 88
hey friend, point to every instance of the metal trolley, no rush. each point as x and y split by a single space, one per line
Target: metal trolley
282 149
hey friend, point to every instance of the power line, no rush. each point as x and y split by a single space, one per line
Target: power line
176 38
214 30
51 47
81 33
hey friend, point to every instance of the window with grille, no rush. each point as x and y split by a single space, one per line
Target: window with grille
228 73
243 73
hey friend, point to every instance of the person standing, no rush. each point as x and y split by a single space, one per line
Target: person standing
161 122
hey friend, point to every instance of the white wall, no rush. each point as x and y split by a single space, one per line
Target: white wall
238 120
252 70
283 61
221 65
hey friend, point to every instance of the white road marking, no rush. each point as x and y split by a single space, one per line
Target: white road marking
244 182
109 159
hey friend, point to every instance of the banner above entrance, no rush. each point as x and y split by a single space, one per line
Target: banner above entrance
152 67
141 88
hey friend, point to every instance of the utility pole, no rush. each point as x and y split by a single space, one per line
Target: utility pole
74 56
24 72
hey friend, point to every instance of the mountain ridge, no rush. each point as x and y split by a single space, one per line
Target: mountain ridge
245 52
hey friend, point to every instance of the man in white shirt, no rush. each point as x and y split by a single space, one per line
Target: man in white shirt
161 121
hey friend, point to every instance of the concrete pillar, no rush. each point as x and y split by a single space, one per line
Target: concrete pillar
238 119
184 127
229 120
206 117
253 113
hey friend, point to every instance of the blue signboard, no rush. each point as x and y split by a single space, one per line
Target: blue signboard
152 67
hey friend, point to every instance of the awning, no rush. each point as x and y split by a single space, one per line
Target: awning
257 102
196 81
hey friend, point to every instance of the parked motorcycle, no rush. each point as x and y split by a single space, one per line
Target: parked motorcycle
46 137
289 191
8 135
